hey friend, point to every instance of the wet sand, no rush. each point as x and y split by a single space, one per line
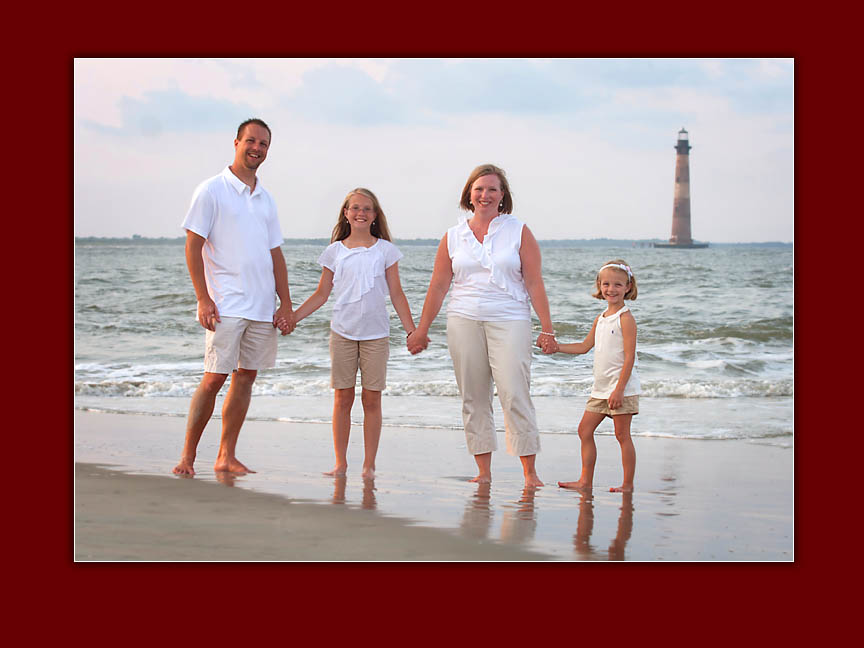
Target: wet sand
141 517
694 500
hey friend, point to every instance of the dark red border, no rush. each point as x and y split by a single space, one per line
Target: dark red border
425 601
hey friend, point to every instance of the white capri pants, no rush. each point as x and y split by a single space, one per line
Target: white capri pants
499 353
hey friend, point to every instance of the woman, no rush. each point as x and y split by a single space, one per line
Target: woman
493 261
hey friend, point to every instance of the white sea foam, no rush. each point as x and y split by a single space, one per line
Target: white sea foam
321 387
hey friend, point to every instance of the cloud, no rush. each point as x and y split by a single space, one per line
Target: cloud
346 95
431 91
241 75
173 111
473 86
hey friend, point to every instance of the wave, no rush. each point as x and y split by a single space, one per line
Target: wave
770 330
664 388
135 389
724 389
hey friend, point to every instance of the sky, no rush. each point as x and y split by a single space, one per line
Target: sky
588 145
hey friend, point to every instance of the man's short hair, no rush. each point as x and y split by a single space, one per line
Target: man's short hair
253 120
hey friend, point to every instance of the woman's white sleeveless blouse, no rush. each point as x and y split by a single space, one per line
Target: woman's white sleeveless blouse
609 358
360 288
487 276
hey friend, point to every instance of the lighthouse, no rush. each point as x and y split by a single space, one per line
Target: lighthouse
681 235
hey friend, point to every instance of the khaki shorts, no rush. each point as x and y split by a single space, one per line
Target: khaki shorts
370 356
629 405
240 343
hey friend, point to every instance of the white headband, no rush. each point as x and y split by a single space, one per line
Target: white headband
620 266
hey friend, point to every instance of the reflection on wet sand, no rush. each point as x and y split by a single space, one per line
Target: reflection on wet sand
368 501
225 477
585 526
625 528
477 517
520 522
339 489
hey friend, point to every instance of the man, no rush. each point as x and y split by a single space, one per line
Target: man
237 269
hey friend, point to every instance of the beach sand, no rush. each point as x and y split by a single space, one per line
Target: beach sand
695 500
142 517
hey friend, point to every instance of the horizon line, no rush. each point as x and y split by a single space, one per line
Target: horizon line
137 237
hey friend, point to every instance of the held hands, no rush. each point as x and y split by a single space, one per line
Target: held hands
283 319
547 343
208 314
417 341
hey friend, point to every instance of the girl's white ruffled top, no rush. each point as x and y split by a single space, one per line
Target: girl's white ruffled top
360 288
487 276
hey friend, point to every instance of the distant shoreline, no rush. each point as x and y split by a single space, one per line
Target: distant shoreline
597 242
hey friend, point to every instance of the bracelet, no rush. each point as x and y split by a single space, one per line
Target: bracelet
552 334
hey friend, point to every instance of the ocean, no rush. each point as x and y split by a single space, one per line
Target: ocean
715 341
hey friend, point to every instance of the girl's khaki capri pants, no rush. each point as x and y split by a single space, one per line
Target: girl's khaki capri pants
487 355
370 356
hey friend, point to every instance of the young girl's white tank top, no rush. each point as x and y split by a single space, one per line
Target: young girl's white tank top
609 358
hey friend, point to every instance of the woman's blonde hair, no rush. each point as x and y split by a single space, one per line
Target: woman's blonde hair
378 229
631 292
506 205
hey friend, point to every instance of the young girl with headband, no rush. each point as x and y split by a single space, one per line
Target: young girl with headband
616 385
361 267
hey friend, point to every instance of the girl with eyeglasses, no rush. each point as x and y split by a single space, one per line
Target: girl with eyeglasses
361 268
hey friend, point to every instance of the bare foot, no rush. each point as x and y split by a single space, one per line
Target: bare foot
338 471
533 481
184 467
575 485
232 466
482 478
368 473
623 488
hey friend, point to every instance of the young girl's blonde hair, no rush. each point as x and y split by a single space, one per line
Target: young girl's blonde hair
379 228
627 270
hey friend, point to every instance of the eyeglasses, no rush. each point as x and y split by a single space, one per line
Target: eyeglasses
365 210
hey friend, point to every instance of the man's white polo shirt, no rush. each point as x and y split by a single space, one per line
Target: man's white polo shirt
241 227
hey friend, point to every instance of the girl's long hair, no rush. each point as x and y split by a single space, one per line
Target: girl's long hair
379 228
